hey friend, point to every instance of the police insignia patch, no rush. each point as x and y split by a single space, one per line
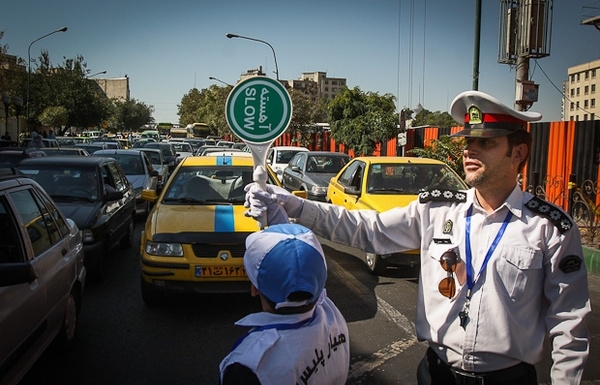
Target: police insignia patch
553 213
447 227
437 195
570 264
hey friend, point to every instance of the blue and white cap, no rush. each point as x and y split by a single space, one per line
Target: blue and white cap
285 259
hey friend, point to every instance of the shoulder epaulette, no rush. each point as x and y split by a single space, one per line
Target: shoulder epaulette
438 195
550 211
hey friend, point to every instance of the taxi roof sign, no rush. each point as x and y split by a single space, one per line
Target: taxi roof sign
258 109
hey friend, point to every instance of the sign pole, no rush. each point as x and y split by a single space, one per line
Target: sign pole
258 111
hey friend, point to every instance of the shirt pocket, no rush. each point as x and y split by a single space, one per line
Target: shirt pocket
519 269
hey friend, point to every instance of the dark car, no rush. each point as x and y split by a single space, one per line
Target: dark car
168 152
311 171
12 156
95 193
139 172
42 275
64 151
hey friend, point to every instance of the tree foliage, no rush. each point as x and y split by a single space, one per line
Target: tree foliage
305 113
54 116
129 115
446 149
360 119
206 106
437 118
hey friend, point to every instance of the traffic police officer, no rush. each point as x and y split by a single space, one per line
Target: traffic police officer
300 337
500 268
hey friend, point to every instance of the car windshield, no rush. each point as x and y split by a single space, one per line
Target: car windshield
66 183
153 157
209 185
410 179
326 164
131 164
284 156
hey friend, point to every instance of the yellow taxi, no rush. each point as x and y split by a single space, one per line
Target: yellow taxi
382 182
194 237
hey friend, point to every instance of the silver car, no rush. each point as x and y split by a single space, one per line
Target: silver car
42 275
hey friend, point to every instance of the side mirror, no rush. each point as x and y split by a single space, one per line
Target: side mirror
113 195
149 195
16 273
351 190
295 168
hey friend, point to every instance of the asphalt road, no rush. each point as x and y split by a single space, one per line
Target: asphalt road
121 341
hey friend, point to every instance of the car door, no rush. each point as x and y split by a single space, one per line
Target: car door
292 175
31 312
120 211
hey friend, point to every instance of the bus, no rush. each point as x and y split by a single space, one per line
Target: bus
164 128
199 130
179 132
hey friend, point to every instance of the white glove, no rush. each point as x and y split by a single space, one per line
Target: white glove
277 202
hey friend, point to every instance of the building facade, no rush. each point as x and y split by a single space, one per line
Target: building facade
115 88
581 92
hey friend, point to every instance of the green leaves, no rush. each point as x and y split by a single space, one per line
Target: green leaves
360 120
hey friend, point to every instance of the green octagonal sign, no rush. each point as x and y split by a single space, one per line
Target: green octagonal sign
258 109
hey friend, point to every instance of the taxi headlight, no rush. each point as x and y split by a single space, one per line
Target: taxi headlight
164 249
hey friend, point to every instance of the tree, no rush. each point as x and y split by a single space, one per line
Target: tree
67 86
446 149
129 115
54 116
305 113
437 118
206 106
361 120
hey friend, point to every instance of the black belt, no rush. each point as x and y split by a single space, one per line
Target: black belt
502 376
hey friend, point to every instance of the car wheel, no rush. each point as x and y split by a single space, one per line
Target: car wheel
375 263
69 323
150 296
127 240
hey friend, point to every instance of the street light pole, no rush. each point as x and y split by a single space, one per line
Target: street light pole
96 74
231 35
63 29
219 80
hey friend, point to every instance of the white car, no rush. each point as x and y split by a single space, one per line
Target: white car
278 157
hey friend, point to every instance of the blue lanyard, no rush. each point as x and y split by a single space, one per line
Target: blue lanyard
470 279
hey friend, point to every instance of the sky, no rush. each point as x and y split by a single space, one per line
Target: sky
420 51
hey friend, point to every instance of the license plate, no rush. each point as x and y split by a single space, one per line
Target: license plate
220 271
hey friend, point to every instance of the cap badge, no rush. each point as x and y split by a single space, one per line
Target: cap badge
447 227
474 115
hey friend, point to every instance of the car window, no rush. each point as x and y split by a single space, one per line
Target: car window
119 179
11 247
154 157
40 227
348 175
284 156
60 222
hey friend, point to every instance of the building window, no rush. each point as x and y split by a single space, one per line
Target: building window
572 106
593 103
572 91
578 76
573 78
593 88
586 90
585 103
584 116
593 74
578 91
587 75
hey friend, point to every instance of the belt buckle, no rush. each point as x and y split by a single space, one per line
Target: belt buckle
465 378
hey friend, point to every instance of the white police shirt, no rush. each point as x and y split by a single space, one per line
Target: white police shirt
535 283
315 352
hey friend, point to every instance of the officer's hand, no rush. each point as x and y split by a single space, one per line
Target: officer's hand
277 202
